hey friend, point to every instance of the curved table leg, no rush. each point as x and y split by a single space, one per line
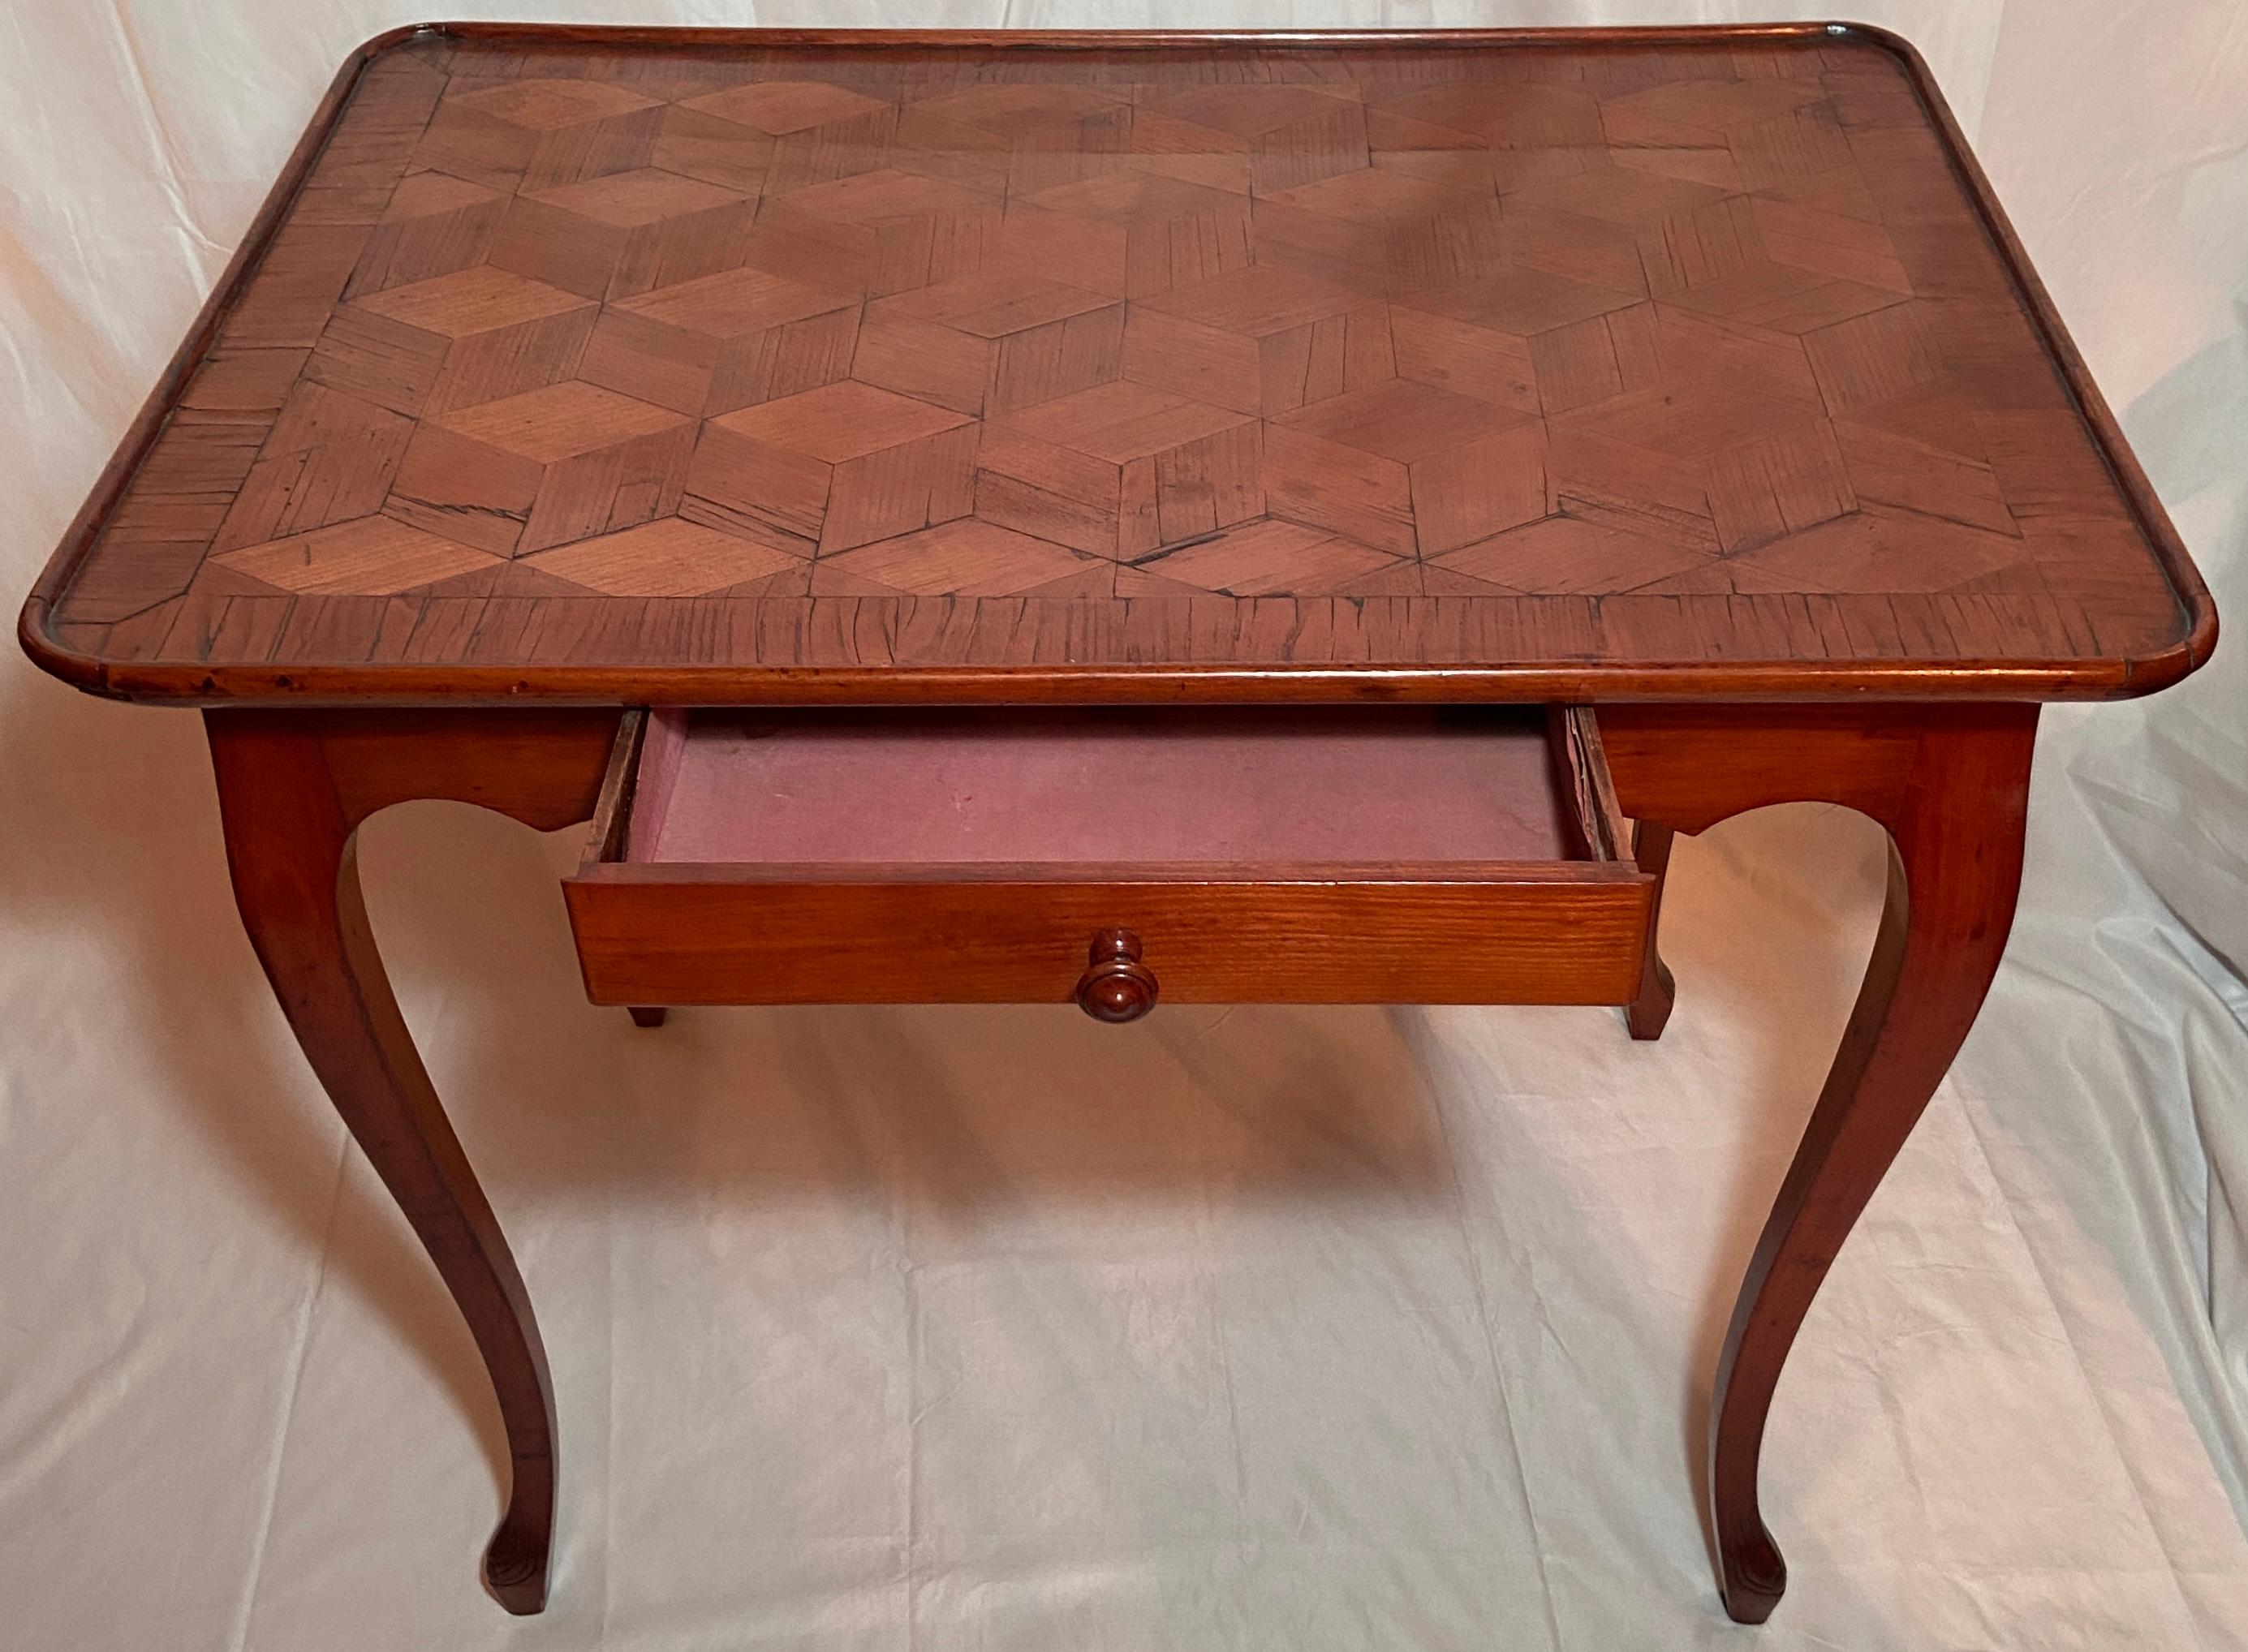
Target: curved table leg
1952 785
1649 1012
293 788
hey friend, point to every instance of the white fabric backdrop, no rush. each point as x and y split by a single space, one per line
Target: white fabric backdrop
1244 1328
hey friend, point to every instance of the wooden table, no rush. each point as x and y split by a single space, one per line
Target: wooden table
1273 519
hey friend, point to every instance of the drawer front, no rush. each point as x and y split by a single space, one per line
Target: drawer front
656 934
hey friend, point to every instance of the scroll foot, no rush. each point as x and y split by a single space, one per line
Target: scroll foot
516 1558
1751 1576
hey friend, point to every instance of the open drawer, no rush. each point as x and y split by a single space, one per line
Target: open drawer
1320 855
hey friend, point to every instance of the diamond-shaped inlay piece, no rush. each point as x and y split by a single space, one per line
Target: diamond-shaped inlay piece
545 468
1487 363
1119 470
1297 134
330 458
841 466
432 226
963 558
372 556
1018 111
544 106
992 341
1386 196
476 335
1565 553
724 341
1252 111
1405 466
666 559
1778 485
1832 243
1382 230
817 132
1924 471
1878 548
1273 558
779 107
1122 138
1259 340
1135 233
693 144
471 303
877 230
611 237
997 304
536 134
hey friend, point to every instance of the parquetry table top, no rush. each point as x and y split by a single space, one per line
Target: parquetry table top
772 368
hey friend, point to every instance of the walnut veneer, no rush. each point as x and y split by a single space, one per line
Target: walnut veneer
817 366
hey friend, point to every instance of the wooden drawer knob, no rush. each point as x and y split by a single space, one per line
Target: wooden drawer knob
1115 986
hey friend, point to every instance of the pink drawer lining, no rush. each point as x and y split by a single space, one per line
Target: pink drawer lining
1129 787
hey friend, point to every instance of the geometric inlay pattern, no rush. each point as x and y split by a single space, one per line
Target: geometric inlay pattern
1653 347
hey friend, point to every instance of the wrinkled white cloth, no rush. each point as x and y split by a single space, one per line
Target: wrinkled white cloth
1235 1329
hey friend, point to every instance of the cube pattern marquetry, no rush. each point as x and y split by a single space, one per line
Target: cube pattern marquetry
1693 352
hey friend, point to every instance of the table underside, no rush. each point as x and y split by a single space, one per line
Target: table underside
708 372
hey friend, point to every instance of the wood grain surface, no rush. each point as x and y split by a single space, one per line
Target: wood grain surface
643 366
1461 933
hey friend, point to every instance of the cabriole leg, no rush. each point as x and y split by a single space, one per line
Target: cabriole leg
1951 786
292 790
